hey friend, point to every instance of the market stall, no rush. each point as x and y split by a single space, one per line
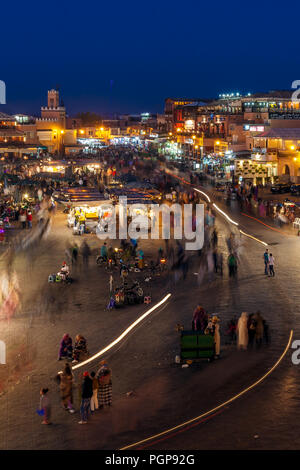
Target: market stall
86 217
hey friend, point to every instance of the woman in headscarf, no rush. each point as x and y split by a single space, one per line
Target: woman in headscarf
65 387
200 319
242 331
105 385
79 348
65 348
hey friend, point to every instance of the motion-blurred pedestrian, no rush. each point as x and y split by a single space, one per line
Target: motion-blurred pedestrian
85 252
45 405
251 330
259 328
232 265
242 331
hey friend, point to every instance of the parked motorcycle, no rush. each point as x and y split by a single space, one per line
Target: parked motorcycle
60 278
129 295
101 260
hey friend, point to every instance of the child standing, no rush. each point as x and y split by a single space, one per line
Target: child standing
45 405
94 399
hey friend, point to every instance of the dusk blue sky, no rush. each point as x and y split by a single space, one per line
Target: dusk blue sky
129 56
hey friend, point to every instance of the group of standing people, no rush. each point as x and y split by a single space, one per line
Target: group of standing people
73 251
251 328
25 218
246 331
95 392
207 325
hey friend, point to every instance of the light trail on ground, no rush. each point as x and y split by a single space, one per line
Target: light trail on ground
266 225
225 215
198 190
213 410
253 238
122 335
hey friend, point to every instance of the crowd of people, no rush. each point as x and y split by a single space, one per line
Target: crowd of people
245 332
96 387
94 392
251 199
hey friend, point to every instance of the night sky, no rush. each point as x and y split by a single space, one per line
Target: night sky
123 57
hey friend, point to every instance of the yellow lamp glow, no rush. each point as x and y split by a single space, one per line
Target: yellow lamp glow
292 147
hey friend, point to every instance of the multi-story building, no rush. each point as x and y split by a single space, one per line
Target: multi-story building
15 141
238 123
283 146
176 111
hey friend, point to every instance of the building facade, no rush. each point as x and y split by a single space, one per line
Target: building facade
265 124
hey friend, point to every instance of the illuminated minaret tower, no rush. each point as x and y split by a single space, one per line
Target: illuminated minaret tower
53 98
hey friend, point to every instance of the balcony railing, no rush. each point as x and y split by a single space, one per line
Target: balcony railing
274 111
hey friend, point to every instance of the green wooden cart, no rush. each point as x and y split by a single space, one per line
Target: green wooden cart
194 345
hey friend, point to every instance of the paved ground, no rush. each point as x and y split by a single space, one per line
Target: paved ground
267 417
164 394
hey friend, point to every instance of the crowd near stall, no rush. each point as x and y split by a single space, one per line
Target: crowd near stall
88 194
